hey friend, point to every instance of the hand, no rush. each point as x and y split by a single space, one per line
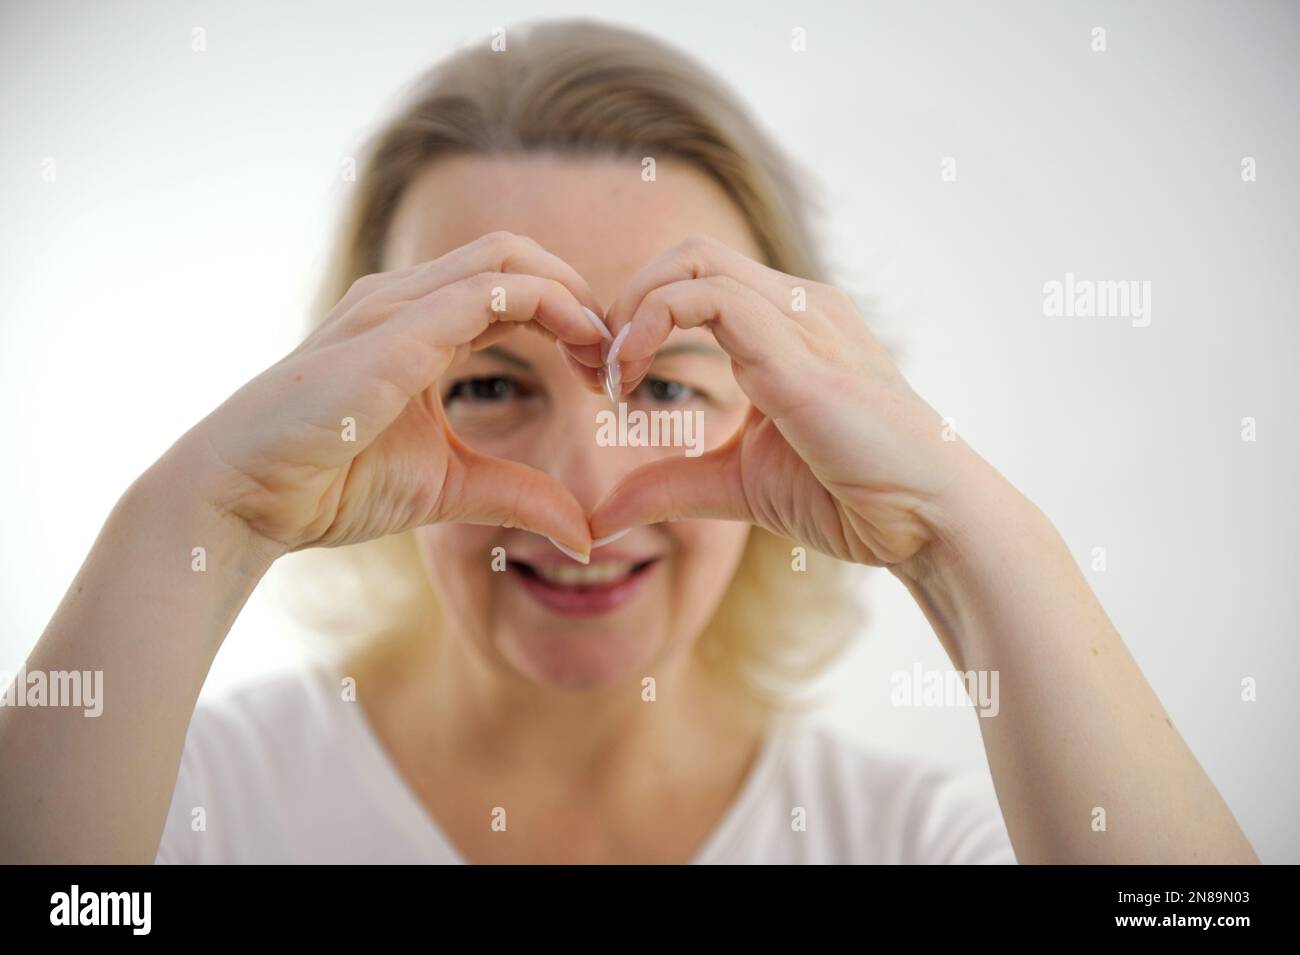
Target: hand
837 453
274 455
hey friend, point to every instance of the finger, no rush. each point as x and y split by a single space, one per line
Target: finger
364 286
766 349
592 356
696 258
461 311
745 324
480 489
673 489
494 252
590 377
587 363
417 343
493 334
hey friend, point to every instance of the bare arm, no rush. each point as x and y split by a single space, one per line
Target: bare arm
97 789
343 440
842 455
1079 728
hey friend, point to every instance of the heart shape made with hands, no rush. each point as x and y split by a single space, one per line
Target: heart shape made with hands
753 313
610 379
808 462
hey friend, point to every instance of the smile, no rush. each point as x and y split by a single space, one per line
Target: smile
582 590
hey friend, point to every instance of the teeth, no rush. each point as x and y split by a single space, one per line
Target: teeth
572 576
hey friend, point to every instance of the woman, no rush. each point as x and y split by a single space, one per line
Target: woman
581 217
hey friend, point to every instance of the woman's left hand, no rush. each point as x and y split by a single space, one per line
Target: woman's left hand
837 453
840 454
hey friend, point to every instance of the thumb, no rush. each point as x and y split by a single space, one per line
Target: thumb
481 489
672 489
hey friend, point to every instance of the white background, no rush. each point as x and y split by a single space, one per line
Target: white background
175 253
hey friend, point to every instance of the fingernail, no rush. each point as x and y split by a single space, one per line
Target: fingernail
602 541
600 326
612 355
568 552
607 385
613 380
613 371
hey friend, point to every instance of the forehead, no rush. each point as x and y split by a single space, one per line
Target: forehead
597 213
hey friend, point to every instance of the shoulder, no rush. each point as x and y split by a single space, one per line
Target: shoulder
858 803
277 716
251 755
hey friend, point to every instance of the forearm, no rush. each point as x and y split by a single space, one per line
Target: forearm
1078 727
97 789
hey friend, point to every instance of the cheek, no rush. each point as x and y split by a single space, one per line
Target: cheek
518 434
724 419
458 563
707 555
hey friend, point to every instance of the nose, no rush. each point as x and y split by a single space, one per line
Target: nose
576 459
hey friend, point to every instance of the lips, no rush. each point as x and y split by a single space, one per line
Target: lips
583 575
576 589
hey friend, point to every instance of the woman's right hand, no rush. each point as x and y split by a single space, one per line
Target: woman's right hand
275 455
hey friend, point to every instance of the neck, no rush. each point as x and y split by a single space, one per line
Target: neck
462 711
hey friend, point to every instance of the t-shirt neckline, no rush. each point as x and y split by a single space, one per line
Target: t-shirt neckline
387 784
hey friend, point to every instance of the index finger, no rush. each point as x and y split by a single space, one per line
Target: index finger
696 258
496 252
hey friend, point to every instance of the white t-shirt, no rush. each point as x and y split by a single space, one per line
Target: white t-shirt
287 771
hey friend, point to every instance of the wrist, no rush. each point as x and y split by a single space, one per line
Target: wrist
987 540
177 498
166 571
979 512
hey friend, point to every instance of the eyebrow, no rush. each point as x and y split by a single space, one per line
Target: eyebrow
691 348
668 351
496 351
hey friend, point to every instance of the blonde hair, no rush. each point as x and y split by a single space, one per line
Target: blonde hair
581 88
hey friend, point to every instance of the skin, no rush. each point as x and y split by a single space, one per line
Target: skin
537 712
814 433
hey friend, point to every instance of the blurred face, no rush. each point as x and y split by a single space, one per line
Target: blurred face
644 599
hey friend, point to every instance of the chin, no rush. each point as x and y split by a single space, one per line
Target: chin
594 627
631 613
584 658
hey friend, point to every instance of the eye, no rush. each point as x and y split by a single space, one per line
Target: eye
670 392
484 390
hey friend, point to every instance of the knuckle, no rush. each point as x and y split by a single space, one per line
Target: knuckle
553 290
726 284
402 362
498 240
490 292
656 298
365 284
481 284
694 248
698 244
361 288
516 248
362 316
